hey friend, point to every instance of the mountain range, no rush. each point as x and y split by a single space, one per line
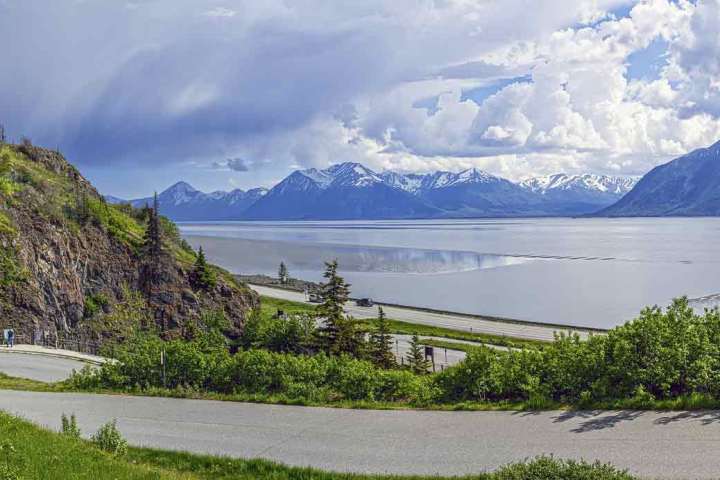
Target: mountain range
686 186
353 191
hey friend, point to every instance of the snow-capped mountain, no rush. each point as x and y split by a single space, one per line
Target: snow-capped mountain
343 191
612 185
352 191
183 202
579 194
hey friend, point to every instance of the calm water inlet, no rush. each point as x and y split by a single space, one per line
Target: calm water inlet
593 272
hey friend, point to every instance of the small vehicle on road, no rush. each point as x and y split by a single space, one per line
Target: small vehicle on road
364 302
315 298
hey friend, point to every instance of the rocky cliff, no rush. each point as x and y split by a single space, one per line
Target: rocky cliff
73 267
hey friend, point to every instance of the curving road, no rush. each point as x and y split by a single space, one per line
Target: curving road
524 330
673 445
37 367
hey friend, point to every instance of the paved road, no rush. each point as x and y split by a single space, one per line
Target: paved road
458 322
37 367
670 445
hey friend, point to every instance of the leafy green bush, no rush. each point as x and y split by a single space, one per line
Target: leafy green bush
69 426
94 304
110 439
670 356
547 468
290 334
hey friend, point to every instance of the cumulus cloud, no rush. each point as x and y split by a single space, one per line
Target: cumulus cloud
234 164
407 84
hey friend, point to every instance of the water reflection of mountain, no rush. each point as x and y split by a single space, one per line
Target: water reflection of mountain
264 256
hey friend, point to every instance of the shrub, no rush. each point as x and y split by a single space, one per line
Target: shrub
110 439
542 468
69 426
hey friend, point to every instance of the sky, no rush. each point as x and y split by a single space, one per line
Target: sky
236 94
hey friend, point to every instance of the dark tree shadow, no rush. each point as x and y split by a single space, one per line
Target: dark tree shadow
594 420
706 417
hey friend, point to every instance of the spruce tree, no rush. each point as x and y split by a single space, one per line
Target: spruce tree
283 273
381 343
152 241
202 275
416 361
338 333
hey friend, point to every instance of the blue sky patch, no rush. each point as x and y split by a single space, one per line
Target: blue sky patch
647 63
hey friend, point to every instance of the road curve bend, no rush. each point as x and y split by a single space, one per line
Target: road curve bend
671 445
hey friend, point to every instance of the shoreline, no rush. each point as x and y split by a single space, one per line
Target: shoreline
272 283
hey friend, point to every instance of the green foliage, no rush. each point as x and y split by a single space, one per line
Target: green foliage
115 221
152 244
283 275
200 365
110 439
659 356
69 426
9 460
546 468
94 304
293 333
11 272
415 358
662 359
381 342
338 334
203 277
128 315
6 226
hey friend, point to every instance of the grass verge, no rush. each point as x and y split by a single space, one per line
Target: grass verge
270 305
30 452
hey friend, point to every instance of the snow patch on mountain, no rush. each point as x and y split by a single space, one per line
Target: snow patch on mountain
589 182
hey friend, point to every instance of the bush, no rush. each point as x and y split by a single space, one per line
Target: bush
69 426
110 439
547 468
291 334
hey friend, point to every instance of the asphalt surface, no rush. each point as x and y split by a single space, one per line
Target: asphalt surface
37 367
672 445
447 320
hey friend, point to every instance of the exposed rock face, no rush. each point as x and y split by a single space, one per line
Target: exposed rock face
63 263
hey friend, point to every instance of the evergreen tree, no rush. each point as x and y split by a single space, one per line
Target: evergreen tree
152 241
202 275
82 207
381 343
283 273
338 334
2 133
415 357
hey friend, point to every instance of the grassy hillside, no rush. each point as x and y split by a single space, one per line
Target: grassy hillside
70 262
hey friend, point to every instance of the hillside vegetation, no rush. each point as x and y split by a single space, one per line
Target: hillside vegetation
74 268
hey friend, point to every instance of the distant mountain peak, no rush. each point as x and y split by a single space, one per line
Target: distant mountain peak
181 186
473 175
615 185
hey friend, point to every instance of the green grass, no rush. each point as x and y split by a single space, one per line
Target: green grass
14 383
270 305
408 328
30 452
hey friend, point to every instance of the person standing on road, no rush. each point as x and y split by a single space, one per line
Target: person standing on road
11 338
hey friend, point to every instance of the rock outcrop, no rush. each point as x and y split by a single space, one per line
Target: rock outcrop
69 261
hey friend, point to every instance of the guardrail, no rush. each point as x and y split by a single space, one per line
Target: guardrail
80 346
